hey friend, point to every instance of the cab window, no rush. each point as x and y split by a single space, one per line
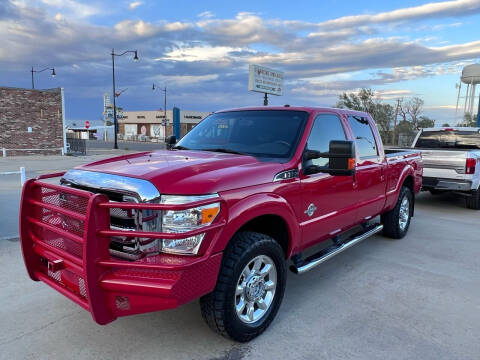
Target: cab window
364 139
326 127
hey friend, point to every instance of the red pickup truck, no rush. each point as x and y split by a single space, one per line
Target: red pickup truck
218 216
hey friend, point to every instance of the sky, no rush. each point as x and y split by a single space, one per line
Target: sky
200 50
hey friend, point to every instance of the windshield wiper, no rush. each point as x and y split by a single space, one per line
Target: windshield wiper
222 150
180 147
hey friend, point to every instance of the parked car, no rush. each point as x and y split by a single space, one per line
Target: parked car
218 216
451 160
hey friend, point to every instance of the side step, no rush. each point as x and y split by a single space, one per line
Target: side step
322 256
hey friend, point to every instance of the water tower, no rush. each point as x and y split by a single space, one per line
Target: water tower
470 77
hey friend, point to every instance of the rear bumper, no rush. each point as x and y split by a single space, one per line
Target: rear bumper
66 245
430 183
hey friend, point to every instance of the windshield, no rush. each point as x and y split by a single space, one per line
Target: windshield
260 133
449 139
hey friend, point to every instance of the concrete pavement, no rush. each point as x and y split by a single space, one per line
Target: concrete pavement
415 298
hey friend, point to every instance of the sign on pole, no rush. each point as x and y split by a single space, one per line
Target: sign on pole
265 80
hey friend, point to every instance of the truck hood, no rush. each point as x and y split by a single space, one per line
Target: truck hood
190 172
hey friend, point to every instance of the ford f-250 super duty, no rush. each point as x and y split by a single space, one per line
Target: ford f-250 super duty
218 216
451 157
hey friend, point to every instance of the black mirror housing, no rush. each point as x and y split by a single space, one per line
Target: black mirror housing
341 157
171 140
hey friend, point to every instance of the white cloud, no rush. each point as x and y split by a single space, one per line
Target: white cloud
430 10
199 53
73 8
319 59
206 14
133 5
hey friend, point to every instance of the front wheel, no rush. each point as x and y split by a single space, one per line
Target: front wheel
397 221
249 288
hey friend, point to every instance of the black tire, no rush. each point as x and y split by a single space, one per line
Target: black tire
218 307
391 219
473 202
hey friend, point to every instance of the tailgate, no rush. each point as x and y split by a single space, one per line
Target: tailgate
452 161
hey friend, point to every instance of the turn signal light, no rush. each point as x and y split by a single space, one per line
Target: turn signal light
470 166
351 164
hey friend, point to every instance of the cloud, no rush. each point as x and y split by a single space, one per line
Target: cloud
72 7
200 53
206 14
210 56
421 12
133 5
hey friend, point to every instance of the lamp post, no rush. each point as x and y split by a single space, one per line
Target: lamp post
164 90
39 71
115 122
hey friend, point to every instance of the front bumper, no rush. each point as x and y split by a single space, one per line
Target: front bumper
429 183
66 245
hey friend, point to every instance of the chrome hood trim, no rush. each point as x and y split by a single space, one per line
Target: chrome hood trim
144 189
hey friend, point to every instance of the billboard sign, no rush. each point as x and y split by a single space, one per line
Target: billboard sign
265 80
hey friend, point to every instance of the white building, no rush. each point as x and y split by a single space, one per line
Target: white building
152 124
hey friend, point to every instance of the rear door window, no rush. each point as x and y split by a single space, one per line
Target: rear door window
364 139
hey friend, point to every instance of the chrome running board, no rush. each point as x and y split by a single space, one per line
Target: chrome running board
309 263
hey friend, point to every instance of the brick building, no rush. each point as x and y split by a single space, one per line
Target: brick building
31 121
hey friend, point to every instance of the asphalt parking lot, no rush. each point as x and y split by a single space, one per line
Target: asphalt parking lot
415 298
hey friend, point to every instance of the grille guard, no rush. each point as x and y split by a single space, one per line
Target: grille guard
65 239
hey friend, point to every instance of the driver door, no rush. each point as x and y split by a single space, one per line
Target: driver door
328 204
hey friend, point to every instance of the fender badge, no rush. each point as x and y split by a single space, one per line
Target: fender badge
311 209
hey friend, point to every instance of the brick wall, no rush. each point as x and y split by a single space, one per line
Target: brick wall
39 109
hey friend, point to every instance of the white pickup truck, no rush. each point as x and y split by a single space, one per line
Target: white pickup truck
451 161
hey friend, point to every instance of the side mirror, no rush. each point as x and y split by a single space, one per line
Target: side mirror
170 141
341 157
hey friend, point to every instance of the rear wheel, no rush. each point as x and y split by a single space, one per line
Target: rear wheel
249 289
473 202
397 221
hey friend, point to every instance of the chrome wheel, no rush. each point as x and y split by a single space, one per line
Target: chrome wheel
255 289
404 215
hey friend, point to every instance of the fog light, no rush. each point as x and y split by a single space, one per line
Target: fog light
188 246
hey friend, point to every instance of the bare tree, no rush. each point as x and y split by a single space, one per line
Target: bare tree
413 108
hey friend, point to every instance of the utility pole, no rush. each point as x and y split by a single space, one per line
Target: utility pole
395 122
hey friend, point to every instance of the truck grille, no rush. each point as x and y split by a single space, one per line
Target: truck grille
130 248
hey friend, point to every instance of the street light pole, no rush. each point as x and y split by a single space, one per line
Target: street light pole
164 90
115 128
115 121
39 71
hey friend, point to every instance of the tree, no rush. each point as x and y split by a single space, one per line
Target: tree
365 100
469 120
446 125
405 126
412 109
425 122
109 123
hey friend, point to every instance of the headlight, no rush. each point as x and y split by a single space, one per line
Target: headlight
181 221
